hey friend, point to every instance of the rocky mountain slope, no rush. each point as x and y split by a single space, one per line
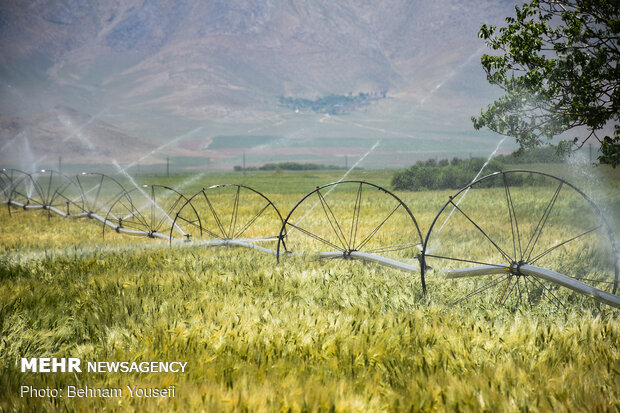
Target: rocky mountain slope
160 68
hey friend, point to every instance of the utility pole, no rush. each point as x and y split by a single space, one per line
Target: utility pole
167 166
590 149
59 164
244 163
346 162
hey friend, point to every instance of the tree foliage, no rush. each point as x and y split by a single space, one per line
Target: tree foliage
430 175
557 62
456 174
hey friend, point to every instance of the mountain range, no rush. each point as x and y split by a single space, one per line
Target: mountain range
139 75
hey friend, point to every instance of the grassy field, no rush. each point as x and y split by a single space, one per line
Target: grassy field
306 334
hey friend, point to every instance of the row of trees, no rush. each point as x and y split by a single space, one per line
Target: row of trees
455 174
431 174
288 166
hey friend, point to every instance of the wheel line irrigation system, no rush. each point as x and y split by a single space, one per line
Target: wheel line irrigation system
158 211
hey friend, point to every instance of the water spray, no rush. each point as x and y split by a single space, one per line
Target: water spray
472 181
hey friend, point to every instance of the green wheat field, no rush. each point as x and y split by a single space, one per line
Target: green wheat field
307 334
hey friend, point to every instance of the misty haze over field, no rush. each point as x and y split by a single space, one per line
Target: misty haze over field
205 82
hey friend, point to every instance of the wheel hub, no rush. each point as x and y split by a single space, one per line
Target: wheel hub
515 268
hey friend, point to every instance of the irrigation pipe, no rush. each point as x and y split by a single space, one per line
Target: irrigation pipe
539 272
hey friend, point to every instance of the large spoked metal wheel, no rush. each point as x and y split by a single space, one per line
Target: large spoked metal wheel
147 210
353 220
98 192
524 237
230 214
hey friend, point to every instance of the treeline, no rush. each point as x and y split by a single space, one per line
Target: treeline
443 174
288 166
456 174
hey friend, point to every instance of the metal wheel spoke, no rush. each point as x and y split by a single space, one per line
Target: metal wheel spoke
152 221
110 213
96 200
391 248
541 224
316 237
131 213
356 216
217 219
464 260
214 235
49 188
373 232
509 289
69 202
485 287
251 221
519 290
482 231
62 196
79 183
562 243
501 297
527 290
192 223
134 212
34 201
513 217
131 208
133 225
170 210
136 216
550 296
233 216
39 191
59 192
328 212
166 215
